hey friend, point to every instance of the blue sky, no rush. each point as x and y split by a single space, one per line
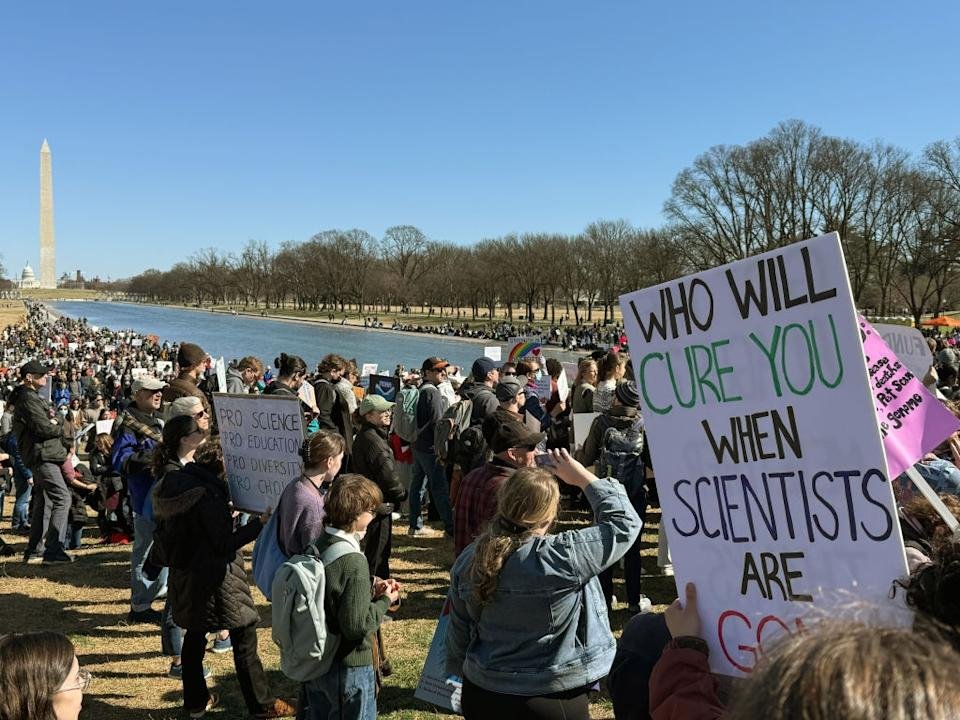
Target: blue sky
176 126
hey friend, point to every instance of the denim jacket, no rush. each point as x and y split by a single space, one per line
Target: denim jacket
545 629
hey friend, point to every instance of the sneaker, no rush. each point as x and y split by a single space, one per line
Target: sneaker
213 702
148 616
279 709
176 671
422 532
643 606
33 558
61 558
222 646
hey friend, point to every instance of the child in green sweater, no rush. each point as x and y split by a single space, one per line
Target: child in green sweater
347 690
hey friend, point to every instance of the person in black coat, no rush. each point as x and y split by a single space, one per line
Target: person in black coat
373 458
207 585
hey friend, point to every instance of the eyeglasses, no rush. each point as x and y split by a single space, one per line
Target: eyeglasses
85 679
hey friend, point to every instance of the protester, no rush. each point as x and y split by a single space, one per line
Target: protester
611 371
192 362
292 371
584 387
475 499
40 677
39 434
300 510
373 458
533 407
522 600
617 443
471 450
334 409
22 481
243 375
114 516
209 589
511 396
347 690
428 473
137 432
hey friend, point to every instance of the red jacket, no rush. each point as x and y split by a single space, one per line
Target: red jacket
682 688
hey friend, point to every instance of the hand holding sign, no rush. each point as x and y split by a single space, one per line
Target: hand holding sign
684 620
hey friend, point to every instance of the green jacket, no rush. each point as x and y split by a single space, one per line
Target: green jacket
350 611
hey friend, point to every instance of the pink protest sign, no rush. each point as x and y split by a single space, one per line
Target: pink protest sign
912 421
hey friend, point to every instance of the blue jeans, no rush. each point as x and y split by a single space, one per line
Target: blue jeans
21 508
143 591
343 693
171 634
429 474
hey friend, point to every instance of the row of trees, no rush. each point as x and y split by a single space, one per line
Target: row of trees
898 217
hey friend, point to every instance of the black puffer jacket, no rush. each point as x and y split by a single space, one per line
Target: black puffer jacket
373 458
208 584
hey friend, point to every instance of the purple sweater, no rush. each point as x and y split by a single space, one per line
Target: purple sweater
299 516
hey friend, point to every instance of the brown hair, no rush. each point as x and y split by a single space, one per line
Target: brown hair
250 363
210 456
320 447
103 442
333 362
527 500
174 432
609 364
33 666
843 671
527 367
350 496
919 509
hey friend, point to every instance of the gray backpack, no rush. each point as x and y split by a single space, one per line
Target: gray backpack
299 620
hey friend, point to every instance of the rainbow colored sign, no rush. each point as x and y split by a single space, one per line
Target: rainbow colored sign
520 347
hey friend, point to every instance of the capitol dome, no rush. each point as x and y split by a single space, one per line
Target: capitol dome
27 278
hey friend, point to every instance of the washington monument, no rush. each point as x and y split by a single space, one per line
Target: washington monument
48 263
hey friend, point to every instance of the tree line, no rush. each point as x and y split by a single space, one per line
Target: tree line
898 217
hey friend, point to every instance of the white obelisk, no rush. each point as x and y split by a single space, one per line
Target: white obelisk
48 263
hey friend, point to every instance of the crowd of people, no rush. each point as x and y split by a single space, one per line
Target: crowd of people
483 461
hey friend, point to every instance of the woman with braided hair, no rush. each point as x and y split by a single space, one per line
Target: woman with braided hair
300 510
529 633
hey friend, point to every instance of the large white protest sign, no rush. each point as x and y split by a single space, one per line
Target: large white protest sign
261 437
493 352
164 367
909 345
763 433
581 428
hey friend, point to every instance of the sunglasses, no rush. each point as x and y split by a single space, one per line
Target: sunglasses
200 414
507 373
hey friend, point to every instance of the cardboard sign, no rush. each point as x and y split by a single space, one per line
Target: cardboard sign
770 465
386 386
581 428
494 353
909 345
308 395
368 369
912 421
261 437
220 368
523 345
433 686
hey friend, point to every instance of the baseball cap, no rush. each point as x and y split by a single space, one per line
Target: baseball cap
511 434
434 363
148 383
508 388
481 368
34 367
373 403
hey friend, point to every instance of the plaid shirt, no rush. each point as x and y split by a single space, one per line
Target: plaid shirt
477 501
